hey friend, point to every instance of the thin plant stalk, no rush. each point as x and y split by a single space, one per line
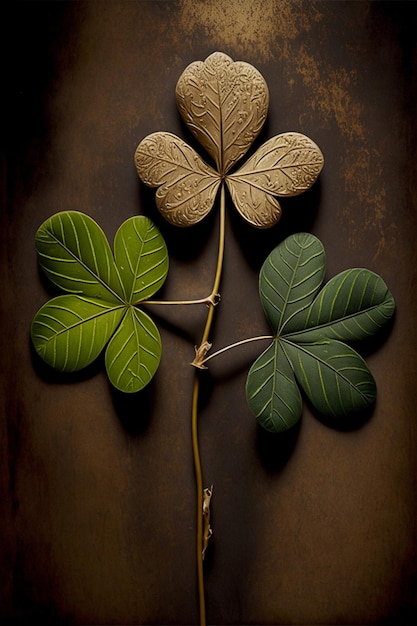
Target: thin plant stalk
210 300
235 345
194 415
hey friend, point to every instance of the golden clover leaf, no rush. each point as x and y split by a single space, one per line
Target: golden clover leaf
224 103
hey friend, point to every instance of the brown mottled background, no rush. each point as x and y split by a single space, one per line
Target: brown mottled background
97 489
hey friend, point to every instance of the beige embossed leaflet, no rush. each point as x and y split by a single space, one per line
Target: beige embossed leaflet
225 104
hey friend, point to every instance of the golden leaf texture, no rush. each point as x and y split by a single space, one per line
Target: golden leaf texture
187 186
224 103
257 207
285 165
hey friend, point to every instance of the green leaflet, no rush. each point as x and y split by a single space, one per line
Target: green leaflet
290 278
333 375
141 257
74 253
272 393
310 328
353 305
133 353
70 331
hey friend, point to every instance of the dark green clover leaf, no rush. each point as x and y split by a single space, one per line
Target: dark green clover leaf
99 309
310 328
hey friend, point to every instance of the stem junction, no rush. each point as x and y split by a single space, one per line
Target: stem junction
200 353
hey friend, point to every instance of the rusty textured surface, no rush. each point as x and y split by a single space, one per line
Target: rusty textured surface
96 489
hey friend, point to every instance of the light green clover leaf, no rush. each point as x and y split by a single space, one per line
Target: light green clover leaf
103 291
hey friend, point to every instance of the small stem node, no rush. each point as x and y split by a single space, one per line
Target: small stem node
208 531
200 354
214 299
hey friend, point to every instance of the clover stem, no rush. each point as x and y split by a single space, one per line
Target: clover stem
199 489
219 266
212 299
194 414
235 345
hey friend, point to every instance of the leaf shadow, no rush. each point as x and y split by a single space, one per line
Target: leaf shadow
134 410
125 404
275 449
298 215
50 375
344 424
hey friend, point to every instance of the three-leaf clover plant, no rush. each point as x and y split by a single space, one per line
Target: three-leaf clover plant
99 309
224 103
310 327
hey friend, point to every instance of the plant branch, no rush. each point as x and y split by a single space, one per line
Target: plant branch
200 357
212 300
194 416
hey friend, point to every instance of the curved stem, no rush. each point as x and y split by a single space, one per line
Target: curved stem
194 415
235 345
212 299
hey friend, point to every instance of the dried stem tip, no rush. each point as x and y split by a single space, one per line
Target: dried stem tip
200 355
